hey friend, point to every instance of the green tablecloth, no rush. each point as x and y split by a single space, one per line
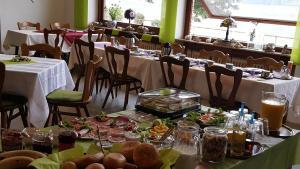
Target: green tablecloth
9 62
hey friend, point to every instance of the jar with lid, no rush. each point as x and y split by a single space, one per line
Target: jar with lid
214 144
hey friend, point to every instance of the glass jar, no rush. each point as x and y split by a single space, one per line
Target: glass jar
187 137
66 139
42 141
11 140
214 145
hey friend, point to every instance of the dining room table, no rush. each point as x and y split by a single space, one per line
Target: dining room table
35 79
15 38
145 67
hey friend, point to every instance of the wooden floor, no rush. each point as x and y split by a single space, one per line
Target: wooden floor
112 105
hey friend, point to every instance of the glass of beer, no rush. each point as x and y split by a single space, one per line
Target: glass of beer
274 107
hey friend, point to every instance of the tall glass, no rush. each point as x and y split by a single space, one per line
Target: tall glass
274 107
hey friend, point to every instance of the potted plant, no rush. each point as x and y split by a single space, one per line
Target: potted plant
115 12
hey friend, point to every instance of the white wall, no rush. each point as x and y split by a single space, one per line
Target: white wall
43 11
180 19
93 11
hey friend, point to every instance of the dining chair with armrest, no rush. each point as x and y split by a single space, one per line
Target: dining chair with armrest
168 74
266 63
28 25
75 99
9 103
218 101
120 78
41 50
59 38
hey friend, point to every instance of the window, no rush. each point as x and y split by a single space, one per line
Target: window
251 15
148 12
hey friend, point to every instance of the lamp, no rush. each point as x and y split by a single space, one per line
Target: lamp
228 22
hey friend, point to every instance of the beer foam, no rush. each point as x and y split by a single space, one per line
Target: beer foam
273 102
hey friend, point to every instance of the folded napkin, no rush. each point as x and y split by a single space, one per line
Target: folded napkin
115 32
146 37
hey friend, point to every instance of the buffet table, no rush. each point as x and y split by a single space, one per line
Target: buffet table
35 80
278 154
249 91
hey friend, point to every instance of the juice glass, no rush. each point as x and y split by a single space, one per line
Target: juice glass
274 107
238 141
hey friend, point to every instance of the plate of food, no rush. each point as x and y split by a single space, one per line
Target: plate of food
209 117
19 58
110 128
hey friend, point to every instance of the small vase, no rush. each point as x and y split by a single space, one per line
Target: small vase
112 24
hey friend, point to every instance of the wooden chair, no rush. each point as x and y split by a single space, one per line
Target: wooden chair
99 32
215 55
58 25
177 48
217 100
101 74
11 102
28 25
79 44
122 40
74 99
169 74
119 79
148 45
41 50
59 39
264 63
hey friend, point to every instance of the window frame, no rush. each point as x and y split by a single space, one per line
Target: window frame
189 13
101 5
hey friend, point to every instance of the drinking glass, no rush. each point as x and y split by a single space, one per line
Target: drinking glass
66 139
238 141
274 107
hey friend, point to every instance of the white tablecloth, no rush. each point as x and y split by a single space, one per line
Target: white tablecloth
30 37
35 81
148 70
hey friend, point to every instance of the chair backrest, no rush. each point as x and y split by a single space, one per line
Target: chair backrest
89 78
177 48
122 40
215 55
168 74
99 32
58 25
218 100
41 50
59 34
79 49
111 53
148 45
265 63
28 25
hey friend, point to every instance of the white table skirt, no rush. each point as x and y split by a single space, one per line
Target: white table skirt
148 71
30 37
35 81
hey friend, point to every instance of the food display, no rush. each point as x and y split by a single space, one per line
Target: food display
132 155
209 117
214 144
110 128
168 102
20 59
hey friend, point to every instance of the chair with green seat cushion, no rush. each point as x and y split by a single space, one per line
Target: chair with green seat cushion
10 102
74 99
